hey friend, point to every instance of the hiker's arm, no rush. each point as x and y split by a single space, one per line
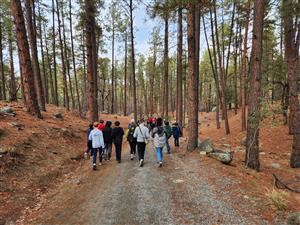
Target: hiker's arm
135 133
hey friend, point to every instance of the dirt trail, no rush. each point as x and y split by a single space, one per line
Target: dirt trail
127 194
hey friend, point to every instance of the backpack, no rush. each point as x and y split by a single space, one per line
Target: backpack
130 134
168 131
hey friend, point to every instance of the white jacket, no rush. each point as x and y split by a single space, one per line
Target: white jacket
141 133
96 137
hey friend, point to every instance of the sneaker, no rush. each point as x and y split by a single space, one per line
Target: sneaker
160 164
141 163
94 166
131 156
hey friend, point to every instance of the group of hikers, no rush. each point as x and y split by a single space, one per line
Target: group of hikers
101 136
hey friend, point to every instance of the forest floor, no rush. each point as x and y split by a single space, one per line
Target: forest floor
46 181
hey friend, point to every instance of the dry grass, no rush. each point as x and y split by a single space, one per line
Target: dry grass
277 198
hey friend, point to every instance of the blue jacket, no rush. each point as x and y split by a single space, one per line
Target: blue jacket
176 131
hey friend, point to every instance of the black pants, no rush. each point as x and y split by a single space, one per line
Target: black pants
118 150
132 147
176 142
141 149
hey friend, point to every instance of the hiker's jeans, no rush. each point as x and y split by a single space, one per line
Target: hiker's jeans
94 151
108 147
159 154
168 146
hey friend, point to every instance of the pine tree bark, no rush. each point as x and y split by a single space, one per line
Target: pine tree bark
92 112
73 59
179 102
56 99
34 52
244 68
12 83
166 70
67 59
192 109
2 75
222 75
133 61
292 44
125 75
45 78
62 54
113 69
252 146
25 61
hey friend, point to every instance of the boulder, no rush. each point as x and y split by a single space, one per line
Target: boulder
226 146
223 157
206 146
58 115
293 218
3 151
8 111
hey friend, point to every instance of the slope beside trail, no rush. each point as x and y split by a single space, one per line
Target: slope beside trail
128 194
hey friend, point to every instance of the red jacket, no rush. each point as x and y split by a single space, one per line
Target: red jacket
101 126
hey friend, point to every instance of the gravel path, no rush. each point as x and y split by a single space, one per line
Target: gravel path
127 194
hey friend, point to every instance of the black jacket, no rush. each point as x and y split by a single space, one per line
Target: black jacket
117 134
107 135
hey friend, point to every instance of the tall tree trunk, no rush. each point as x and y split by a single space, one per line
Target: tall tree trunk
216 74
113 68
52 90
12 83
73 59
125 75
46 89
2 76
252 146
192 110
34 52
67 59
292 43
235 92
152 78
179 103
133 60
244 68
222 75
62 54
25 61
166 69
92 113
56 99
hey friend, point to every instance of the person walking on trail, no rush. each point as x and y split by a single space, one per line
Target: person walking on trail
89 142
96 137
131 139
141 133
107 136
177 133
117 135
159 140
168 132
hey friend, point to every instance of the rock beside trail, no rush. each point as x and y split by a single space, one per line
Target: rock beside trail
276 165
16 125
293 218
244 141
12 151
224 157
58 115
206 146
8 111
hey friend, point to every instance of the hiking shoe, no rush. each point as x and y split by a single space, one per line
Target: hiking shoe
94 166
160 164
131 156
141 163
